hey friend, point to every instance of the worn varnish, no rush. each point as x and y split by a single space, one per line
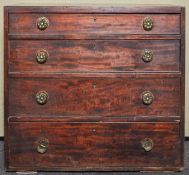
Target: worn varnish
95 96
81 95
93 145
94 23
94 55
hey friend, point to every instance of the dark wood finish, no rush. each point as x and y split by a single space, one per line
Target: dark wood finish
94 118
6 87
97 74
94 23
98 146
93 36
95 96
95 8
91 118
94 55
182 65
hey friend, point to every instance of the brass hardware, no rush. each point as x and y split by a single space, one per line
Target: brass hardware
42 23
42 145
94 47
147 144
42 97
147 97
147 55
147 23
42 56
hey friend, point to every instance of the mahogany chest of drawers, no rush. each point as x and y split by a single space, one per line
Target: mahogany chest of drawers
94 88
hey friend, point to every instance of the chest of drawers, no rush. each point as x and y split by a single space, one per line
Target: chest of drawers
94 88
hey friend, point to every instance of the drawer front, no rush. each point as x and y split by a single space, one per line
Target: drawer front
106 96
89 24
93 55
93 146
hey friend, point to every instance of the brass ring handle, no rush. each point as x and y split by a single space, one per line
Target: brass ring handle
42 97
147 55
147 144
42 145
42 56
147 97
42 23
147 23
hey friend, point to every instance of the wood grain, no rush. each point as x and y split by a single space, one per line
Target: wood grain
93 146
93 55
94 23
182 65
6 86
95 8
94 118
93 37
95 96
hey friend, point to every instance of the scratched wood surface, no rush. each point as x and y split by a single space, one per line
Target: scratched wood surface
93 145
94 55
94 118
94 23
93 96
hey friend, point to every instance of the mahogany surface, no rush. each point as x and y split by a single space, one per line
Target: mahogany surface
94 118
94 55
98 146
95 96
94 23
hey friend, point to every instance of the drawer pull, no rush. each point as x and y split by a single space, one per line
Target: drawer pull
42 23
147 23
147 144
147 97
42 56
147 55
42 97
42 145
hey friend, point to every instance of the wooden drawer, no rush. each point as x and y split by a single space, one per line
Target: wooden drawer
94 88
106 96
94 146
92 24
93 55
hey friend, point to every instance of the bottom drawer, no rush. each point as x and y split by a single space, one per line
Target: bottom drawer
93 146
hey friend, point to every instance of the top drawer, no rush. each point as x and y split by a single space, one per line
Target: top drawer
92 24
